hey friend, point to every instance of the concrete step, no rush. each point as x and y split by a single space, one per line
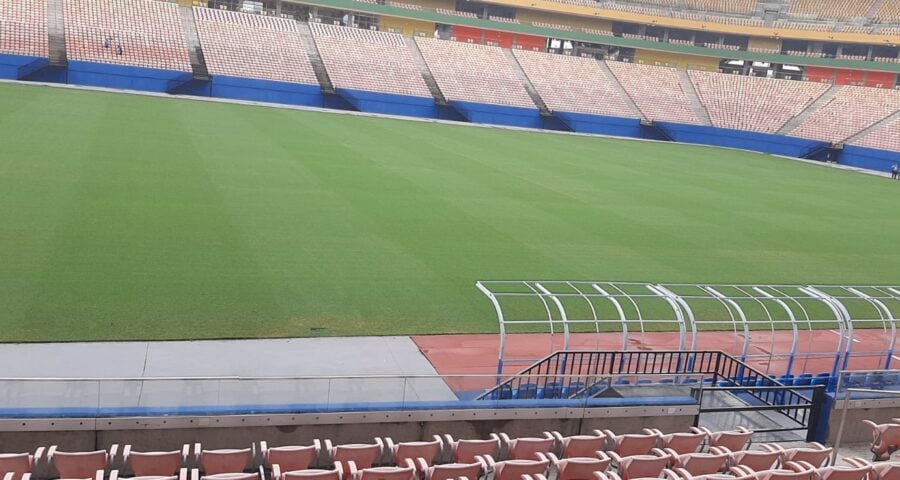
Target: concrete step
877 126
426 72
315 58
619 88
56 28
192 39
691 91
814 106
526 82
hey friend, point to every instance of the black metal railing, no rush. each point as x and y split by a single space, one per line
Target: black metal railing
587 374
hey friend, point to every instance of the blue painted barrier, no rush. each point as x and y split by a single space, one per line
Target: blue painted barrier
104 412
755 141
15 67
499 114
125 77
868 158
390 104
238 88
586 123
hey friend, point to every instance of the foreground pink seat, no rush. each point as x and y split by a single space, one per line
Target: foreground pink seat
577 468
697 464
20 464
182 475
885 439
611 475
880 470
226 460
226 476
453 471
845 472
791 471
467 451
427 452
681 442
290 458
583 446
526 448
363 455
641 466
682 474
765 457
815 454
630 444
734 440
383 473
515 469
72 465
308 474
156 464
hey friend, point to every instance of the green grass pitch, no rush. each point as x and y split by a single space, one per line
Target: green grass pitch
131 217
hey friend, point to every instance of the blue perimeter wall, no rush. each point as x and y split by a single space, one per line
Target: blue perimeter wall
266 91
15 67
155 80
125 77
869 158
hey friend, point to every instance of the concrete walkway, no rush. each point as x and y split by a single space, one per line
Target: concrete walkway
125 363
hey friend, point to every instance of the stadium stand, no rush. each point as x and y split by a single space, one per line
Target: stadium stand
368 60
573 84
253 46
142 33
741 21
739 7
473 73
555 26
657 91
446 11
658 3
885 138
851 111
653 12
813 27
829 9
750 103
888 13
23 27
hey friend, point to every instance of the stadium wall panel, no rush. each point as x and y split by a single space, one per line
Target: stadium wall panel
125 77
390 104
252 89
599 124
499 114
15 67
868 158
723 137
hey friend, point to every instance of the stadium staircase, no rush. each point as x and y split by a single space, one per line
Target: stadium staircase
198 62
813 107
426 72
876 6
691 92
619 88
526 83
315 58
56 28
724 387
877 126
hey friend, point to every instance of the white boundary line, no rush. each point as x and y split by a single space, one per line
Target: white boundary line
419 119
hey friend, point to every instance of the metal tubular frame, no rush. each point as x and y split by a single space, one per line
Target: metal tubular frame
625 308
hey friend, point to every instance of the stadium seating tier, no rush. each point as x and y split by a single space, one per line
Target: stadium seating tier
750 103
473 73
852 110
657 91
369 60
141 33
23 27
253 46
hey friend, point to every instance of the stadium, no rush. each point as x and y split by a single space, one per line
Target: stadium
449 239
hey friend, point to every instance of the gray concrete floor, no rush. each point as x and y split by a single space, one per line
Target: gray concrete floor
246 360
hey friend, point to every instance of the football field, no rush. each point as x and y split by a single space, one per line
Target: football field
133 217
